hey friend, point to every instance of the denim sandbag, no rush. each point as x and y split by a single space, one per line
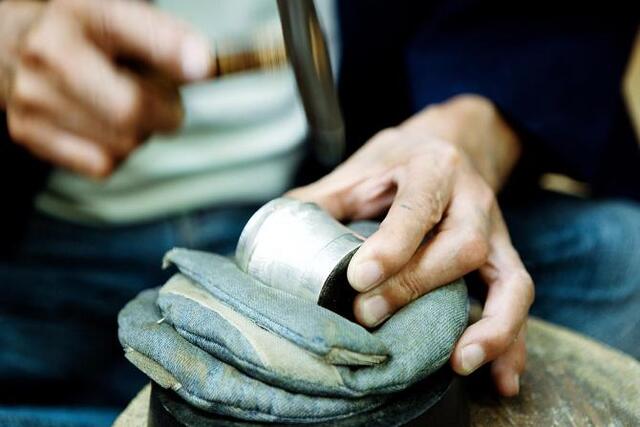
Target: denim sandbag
274 356
206 382
309 326
231 345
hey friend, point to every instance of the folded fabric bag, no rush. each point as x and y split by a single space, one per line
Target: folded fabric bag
229 344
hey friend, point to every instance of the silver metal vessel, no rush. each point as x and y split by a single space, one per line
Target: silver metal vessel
299 248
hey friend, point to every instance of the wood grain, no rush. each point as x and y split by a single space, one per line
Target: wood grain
570 381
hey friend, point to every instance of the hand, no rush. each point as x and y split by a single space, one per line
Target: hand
437 175
69 98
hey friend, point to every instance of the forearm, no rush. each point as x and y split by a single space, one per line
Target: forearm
477 128
16 17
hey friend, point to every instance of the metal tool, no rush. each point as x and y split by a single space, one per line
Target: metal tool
301 249
307 51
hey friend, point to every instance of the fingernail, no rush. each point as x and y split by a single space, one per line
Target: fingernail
196 58
375 310
472 357
516 383
365 275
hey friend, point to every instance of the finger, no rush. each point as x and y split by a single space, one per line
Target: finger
140 104
347 195
458 248
87 76
508 300
138 30
424 191
508 367
33 92
364 185
59 147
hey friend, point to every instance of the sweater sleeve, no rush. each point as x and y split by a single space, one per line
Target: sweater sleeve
556 80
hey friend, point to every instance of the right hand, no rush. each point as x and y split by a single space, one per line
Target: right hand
435 177
69 99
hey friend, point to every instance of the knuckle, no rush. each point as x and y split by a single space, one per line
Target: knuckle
17 130
386 138
385 256
387 134
40 49
34 46
427 208
23 94
450 154
130 109
474 251
475 104
125 144
525 280
486 196
103 171
435 204
501 339
43 38
412 286
97 170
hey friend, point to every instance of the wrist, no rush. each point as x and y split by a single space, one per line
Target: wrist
475 126
16 17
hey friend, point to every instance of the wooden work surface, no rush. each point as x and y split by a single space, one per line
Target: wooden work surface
570 381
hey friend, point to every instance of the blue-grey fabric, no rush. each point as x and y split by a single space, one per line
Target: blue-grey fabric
229 344
210 384
306 324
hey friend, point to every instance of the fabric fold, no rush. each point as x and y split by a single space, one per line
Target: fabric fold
307 325
228 344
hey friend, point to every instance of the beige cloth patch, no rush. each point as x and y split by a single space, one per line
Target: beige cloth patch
152 368
275 353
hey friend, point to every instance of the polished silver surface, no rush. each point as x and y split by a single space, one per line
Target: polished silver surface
307 51
301 249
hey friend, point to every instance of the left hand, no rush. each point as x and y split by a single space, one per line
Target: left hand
437 175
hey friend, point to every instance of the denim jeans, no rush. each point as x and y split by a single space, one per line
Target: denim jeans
61 296
584 257
59 301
